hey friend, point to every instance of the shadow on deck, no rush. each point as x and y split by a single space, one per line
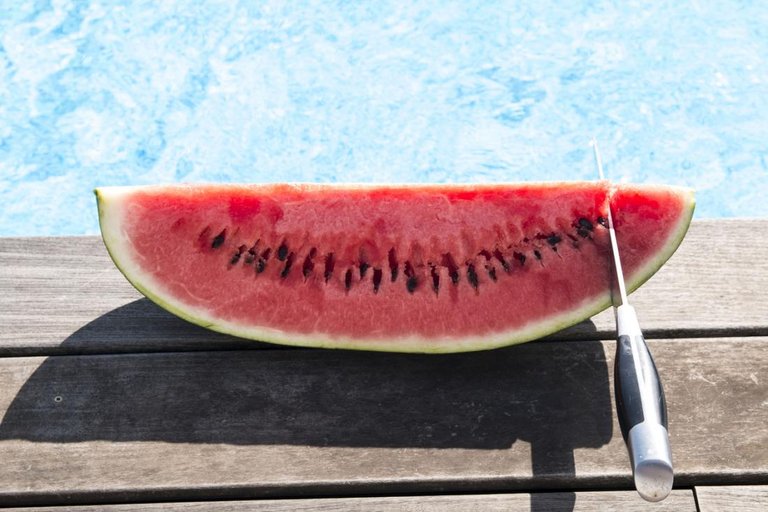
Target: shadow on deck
556 400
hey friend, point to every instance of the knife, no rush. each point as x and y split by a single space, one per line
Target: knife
640 402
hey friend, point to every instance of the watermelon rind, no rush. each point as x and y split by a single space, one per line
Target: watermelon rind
110 207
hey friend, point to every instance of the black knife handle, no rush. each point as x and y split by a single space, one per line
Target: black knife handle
642 409
629 399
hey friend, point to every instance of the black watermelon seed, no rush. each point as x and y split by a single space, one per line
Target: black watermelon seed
472 276
330 262
236 257
520 257
251 254
411 284
602 221
586 224
393 264
497 254
537 254
282 252
377 273
288 264
363 268
309 264
435 279
348 279
261 265
554 239
492 273
453 269
218 240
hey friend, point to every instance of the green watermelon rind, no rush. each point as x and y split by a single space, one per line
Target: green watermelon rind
109 221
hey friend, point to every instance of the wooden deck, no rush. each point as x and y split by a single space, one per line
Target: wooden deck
107 400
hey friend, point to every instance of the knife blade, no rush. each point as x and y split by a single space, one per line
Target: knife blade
640 402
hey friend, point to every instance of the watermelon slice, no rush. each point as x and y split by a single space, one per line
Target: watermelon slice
393 268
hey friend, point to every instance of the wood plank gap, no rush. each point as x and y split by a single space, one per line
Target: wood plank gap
670 335
696 499
143 350
248 345
320 491
679 500
162 350
447 487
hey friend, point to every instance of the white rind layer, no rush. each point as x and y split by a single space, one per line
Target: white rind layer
112 208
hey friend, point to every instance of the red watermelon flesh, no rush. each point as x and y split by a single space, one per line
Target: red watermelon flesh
398 268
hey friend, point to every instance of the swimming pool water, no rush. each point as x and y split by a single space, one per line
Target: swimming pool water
116 93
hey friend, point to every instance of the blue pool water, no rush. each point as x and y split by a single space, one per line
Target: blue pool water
102 93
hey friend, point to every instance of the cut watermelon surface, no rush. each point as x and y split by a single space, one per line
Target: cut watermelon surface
395 268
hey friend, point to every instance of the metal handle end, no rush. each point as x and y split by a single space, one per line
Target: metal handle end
653 479
651 461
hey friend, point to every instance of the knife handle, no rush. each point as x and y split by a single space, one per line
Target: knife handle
642 409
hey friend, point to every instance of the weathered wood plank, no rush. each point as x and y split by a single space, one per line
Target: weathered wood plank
626 501
241 424
735 498
64 296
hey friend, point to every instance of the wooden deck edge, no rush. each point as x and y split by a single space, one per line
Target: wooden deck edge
246 499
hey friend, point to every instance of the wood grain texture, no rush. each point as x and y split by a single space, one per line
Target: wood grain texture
243 424
735 498
64 296
626 501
